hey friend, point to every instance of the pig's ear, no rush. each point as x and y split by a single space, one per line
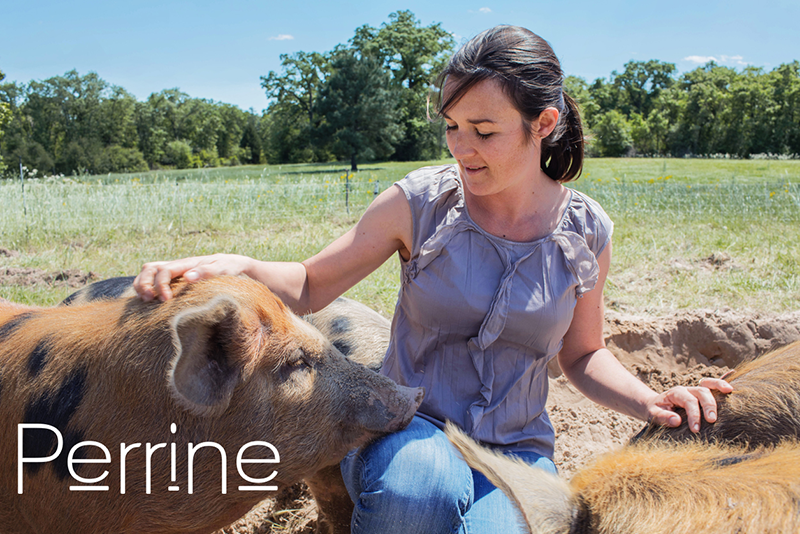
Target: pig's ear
203 372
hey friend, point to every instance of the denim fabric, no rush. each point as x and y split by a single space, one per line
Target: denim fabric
415 482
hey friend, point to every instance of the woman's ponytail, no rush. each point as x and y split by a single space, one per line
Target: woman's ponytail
562 150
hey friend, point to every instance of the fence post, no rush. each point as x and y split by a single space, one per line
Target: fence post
347 190
24 204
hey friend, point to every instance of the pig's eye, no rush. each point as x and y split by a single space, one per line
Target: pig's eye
299 364
294 367
299 360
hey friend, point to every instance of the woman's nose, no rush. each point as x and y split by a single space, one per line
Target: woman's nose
459 146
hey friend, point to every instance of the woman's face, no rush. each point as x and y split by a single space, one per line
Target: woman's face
486 136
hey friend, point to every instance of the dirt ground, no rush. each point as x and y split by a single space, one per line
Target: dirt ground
662 351
25 276
678 349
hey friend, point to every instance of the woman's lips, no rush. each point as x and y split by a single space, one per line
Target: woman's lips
473 169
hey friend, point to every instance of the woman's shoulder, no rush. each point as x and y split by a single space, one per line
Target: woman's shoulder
588 218
430 182
586 203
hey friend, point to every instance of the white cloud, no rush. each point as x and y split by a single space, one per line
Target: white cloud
700 59
720 60
282 37
739 60
485 10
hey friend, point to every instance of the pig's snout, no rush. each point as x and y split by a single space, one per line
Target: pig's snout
413 398
392 409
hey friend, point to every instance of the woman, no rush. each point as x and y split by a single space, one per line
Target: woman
503 269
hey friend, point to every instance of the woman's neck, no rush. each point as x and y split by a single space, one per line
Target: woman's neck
524 213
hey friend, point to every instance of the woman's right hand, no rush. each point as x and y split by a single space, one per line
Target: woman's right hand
154 279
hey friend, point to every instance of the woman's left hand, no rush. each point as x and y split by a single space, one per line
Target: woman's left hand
693 399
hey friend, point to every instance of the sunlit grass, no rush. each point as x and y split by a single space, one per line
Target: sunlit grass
688 233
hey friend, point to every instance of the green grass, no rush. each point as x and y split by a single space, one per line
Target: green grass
688 233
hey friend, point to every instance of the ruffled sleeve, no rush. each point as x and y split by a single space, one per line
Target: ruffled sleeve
592 222
431 192
580 260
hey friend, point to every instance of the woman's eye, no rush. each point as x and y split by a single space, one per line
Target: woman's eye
482 135
448 128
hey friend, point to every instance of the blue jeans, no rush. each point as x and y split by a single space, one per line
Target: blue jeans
414 481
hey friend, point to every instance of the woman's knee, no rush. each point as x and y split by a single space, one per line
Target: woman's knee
417 457
414 475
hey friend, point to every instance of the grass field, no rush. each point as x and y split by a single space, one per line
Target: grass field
689 233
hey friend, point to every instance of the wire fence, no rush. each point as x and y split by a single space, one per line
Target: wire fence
49 209
778 201
57 208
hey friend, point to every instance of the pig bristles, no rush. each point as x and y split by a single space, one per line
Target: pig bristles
549 509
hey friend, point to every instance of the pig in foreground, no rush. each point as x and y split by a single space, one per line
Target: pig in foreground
654 488
176 416
741 474
360 334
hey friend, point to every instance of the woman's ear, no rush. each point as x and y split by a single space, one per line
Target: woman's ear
545 123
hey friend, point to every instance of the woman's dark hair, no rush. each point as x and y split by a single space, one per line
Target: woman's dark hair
530 75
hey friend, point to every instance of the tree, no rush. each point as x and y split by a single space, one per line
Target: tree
701 127
5 117
250 142
784 115
577 88
414 55
605 97
640 84
746 127
232 122
294 95
613 135
73 119
179 154
303 75
357 109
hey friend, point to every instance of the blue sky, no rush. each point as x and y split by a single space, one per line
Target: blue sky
218 50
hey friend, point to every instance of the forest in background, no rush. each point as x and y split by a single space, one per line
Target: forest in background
365 100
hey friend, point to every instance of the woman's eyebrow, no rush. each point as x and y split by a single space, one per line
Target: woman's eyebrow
472 121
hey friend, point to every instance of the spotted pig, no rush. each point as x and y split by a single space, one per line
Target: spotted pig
357 331
124 416
363 336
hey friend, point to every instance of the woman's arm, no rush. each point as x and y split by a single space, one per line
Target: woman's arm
594 370
385 228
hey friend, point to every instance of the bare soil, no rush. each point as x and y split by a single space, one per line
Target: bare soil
29 276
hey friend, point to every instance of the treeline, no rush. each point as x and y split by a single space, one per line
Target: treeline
74 124
649 110
366 100
362 101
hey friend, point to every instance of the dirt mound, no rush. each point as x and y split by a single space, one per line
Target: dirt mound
20 276
685 339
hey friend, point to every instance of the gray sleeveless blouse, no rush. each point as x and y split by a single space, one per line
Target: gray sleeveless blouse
478 317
